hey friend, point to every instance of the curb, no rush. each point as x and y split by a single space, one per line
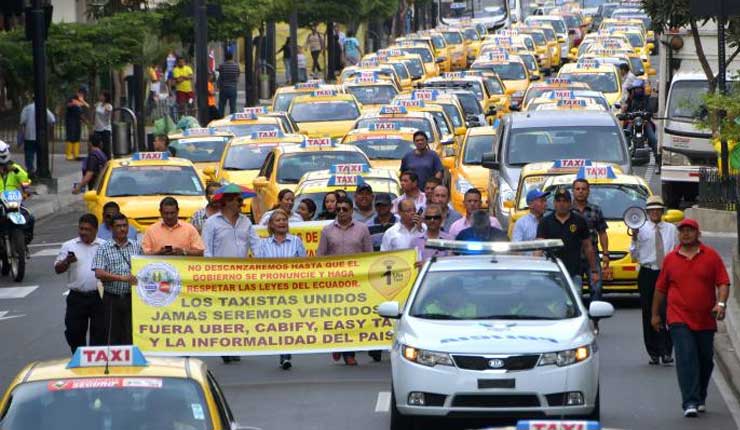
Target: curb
727 338
713 220
45 204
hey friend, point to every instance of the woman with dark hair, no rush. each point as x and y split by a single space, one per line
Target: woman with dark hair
306 209
285 202
280 244
329 206
102 129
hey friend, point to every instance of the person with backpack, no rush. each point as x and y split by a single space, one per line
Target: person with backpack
351 49
92 166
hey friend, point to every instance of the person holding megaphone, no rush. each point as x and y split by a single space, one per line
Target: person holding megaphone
651 242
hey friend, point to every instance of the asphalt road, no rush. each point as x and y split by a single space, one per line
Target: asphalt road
318 394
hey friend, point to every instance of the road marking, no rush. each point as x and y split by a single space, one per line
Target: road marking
46 245
16 292
3 317
383 404
727 395
51 252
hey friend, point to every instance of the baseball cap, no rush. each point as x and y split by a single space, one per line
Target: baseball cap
364 187
562 193
688 222
535 194
382 199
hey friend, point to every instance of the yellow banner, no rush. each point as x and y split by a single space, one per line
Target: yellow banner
309 232
227 306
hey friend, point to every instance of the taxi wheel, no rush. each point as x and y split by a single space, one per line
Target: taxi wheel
398 420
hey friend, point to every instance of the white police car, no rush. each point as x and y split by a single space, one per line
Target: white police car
494 335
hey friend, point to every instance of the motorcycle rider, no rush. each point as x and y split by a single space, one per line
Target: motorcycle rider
637 101
14 177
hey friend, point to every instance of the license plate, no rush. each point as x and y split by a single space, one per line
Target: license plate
496 383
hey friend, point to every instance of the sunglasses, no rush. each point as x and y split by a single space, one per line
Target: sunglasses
433 217
343 209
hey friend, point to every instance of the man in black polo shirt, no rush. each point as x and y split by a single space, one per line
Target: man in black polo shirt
571 228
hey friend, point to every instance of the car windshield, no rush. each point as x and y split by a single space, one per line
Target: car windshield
506 71
422 124
572 21
539 38
530 62
471 34
384 148
373 94
636 66
469 103
557 25
613 199
604 81
453 38
282 101
453 113
473 86
107 403
526 185
415 66
340 110
475 146
400 70
531 145
201 150
494 294
154 180
635 40
686 101
550 34
246 157
442 122
240 130
426 55
292 166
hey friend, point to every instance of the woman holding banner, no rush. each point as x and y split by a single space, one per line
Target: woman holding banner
280 244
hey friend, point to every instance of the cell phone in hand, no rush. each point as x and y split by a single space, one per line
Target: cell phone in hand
420 211
168 248
71 254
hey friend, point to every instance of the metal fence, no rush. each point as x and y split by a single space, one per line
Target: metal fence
9 132
716 191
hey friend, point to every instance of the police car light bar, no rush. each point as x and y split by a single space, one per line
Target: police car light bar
557 425
349 169
139 156
493 247
100 356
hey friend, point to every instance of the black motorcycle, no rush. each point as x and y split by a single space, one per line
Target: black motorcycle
634 132
12 235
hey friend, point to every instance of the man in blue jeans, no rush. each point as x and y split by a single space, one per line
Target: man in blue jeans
695 282
228 78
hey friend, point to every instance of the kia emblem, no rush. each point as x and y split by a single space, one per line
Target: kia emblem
496 363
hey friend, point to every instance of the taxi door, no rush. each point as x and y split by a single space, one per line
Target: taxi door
265 188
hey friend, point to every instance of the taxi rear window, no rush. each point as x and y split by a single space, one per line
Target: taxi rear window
292 166
505 71
605 82
246 157
417 123
453 37
154 180
340 110
200 150
282 101
415 66
383 148
240 130
373 94
130 403
426 55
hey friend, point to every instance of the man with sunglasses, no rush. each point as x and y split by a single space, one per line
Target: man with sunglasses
433 220
229 233
342 237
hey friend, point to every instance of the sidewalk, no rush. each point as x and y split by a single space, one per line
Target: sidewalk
46 202
727 339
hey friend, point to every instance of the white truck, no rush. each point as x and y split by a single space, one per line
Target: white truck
686 147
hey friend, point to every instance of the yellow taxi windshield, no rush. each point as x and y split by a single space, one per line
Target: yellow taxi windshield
154 180
513 71
321 111
373 94
384 147
598 81
422 124
613 199
246 157
200 150
292 166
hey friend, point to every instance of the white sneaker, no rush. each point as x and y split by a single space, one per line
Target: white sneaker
690 412
701 408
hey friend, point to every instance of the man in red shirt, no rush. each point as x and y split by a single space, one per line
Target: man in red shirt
695 282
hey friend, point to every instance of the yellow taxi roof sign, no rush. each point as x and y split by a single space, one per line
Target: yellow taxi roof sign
558 81
596 172
345 180
382 126
349 169
393 109
199 131
101 356
410 103
323 93
428 95
140 156
317 142
267 134
569 163
587 63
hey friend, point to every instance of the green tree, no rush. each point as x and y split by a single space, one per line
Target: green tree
16 64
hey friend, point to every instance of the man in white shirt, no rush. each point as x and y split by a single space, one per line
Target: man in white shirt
404 232
650 244
473 202
28 127
84 304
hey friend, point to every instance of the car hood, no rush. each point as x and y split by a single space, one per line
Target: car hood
486 336
333 129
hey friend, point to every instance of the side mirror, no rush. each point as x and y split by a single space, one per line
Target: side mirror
489 161
573 51
509 204
652 72
598 309
448 162
259 182
210 171
389 310
534 77
650 46
440 60
673 216
460 131
90 196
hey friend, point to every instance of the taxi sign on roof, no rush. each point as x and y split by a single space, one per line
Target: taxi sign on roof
572 103
503 41
571 163
391 110
343 180
100 356
557 425
349 169
368 77
427 95
380 126
138 156
596 172
258 110
323 93
558 81
199 131
241 116
497 57
267 134
508 33
416 103
394 52
317 142
562 94
306 85
587 64
368 63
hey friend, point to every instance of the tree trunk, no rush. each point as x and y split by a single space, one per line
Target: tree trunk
712 81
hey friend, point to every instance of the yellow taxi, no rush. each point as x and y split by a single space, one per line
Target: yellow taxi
370 91
612 56
604 40
443 121
286 164
438 45
385 144
510 69
614 192
315 185
589 97
537 89
573 103
373 65
139 182
599 77
489 90
284 95
553 47
457 47
544 60
431 65
473 41
114 387
450 104
202 146
404 75
466 171
244 156
325 113
530 61
396 114
413 62
251 120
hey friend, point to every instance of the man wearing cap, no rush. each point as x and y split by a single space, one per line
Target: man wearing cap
364 210
571 228
525 227
383 219
650 243
695 283
596 226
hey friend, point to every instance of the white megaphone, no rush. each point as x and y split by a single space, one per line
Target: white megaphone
634 217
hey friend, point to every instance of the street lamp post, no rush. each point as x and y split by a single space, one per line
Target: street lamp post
38 36
201 59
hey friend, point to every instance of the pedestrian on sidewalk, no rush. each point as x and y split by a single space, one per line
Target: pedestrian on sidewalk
213 112
694 281
280 244
201 215
102 120
286 50
105 230
76 106
28 131
112 265
315 45
597 229
301 60
649 246
92 166
84 305
344 236
183 76
170 236
228 78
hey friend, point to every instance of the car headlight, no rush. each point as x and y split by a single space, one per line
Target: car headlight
426 358
462 185
676 159
505 191
565 358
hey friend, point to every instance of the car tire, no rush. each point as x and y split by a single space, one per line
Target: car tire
398 420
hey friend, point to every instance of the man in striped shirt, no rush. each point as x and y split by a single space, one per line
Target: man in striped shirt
228 77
